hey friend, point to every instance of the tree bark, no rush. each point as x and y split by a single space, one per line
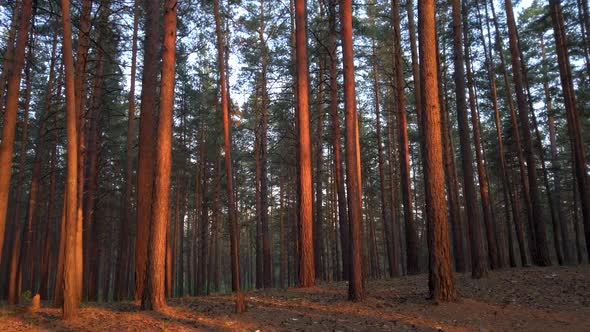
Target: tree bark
441 283
306 245
145 167
153 295
486 200
478 258
541 252
572 115
121 286
71 281
356 287
11 108
232 215
335 121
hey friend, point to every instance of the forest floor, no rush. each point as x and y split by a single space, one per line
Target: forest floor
527 299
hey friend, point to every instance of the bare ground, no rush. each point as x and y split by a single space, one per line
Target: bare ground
529 299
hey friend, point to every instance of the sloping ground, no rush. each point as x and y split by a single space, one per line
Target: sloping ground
531 299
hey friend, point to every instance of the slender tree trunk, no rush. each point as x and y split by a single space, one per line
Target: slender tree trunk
266 274
385 218
145 167
356 287
11 108
486 200
306 259
318 232
509 204
153 295
404 156
71 289
451 178
572 115
20 258
9 54
441 282
541 252
566 235
83 267
478 258
520 228
232 215
121 287
335 121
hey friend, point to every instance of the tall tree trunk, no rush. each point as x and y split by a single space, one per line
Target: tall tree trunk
486 200
441 283
385 218
318 232
121 286
515 133
232 215
356 287
9 54
451 178
404 155
267 267
145 167
572 116
306 258
153 295
509 204
335 121
83 267
541 252
18 255
478 258
11 108
71 289
566 235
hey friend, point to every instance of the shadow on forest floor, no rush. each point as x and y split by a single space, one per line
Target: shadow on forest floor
555 298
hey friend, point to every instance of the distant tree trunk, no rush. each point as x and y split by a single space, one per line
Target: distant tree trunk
451 178
509 204
71 289
83 267
574 130
335 120
356 287
318 232
232 215
306 258
486 200
404 155
9 54
204 224
153 296
283 253
385 218
541 252
566 235
11 108
520 228
46 251
478 258
20 258
92 163
145 166
575 212
394 202
441 283
121 287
